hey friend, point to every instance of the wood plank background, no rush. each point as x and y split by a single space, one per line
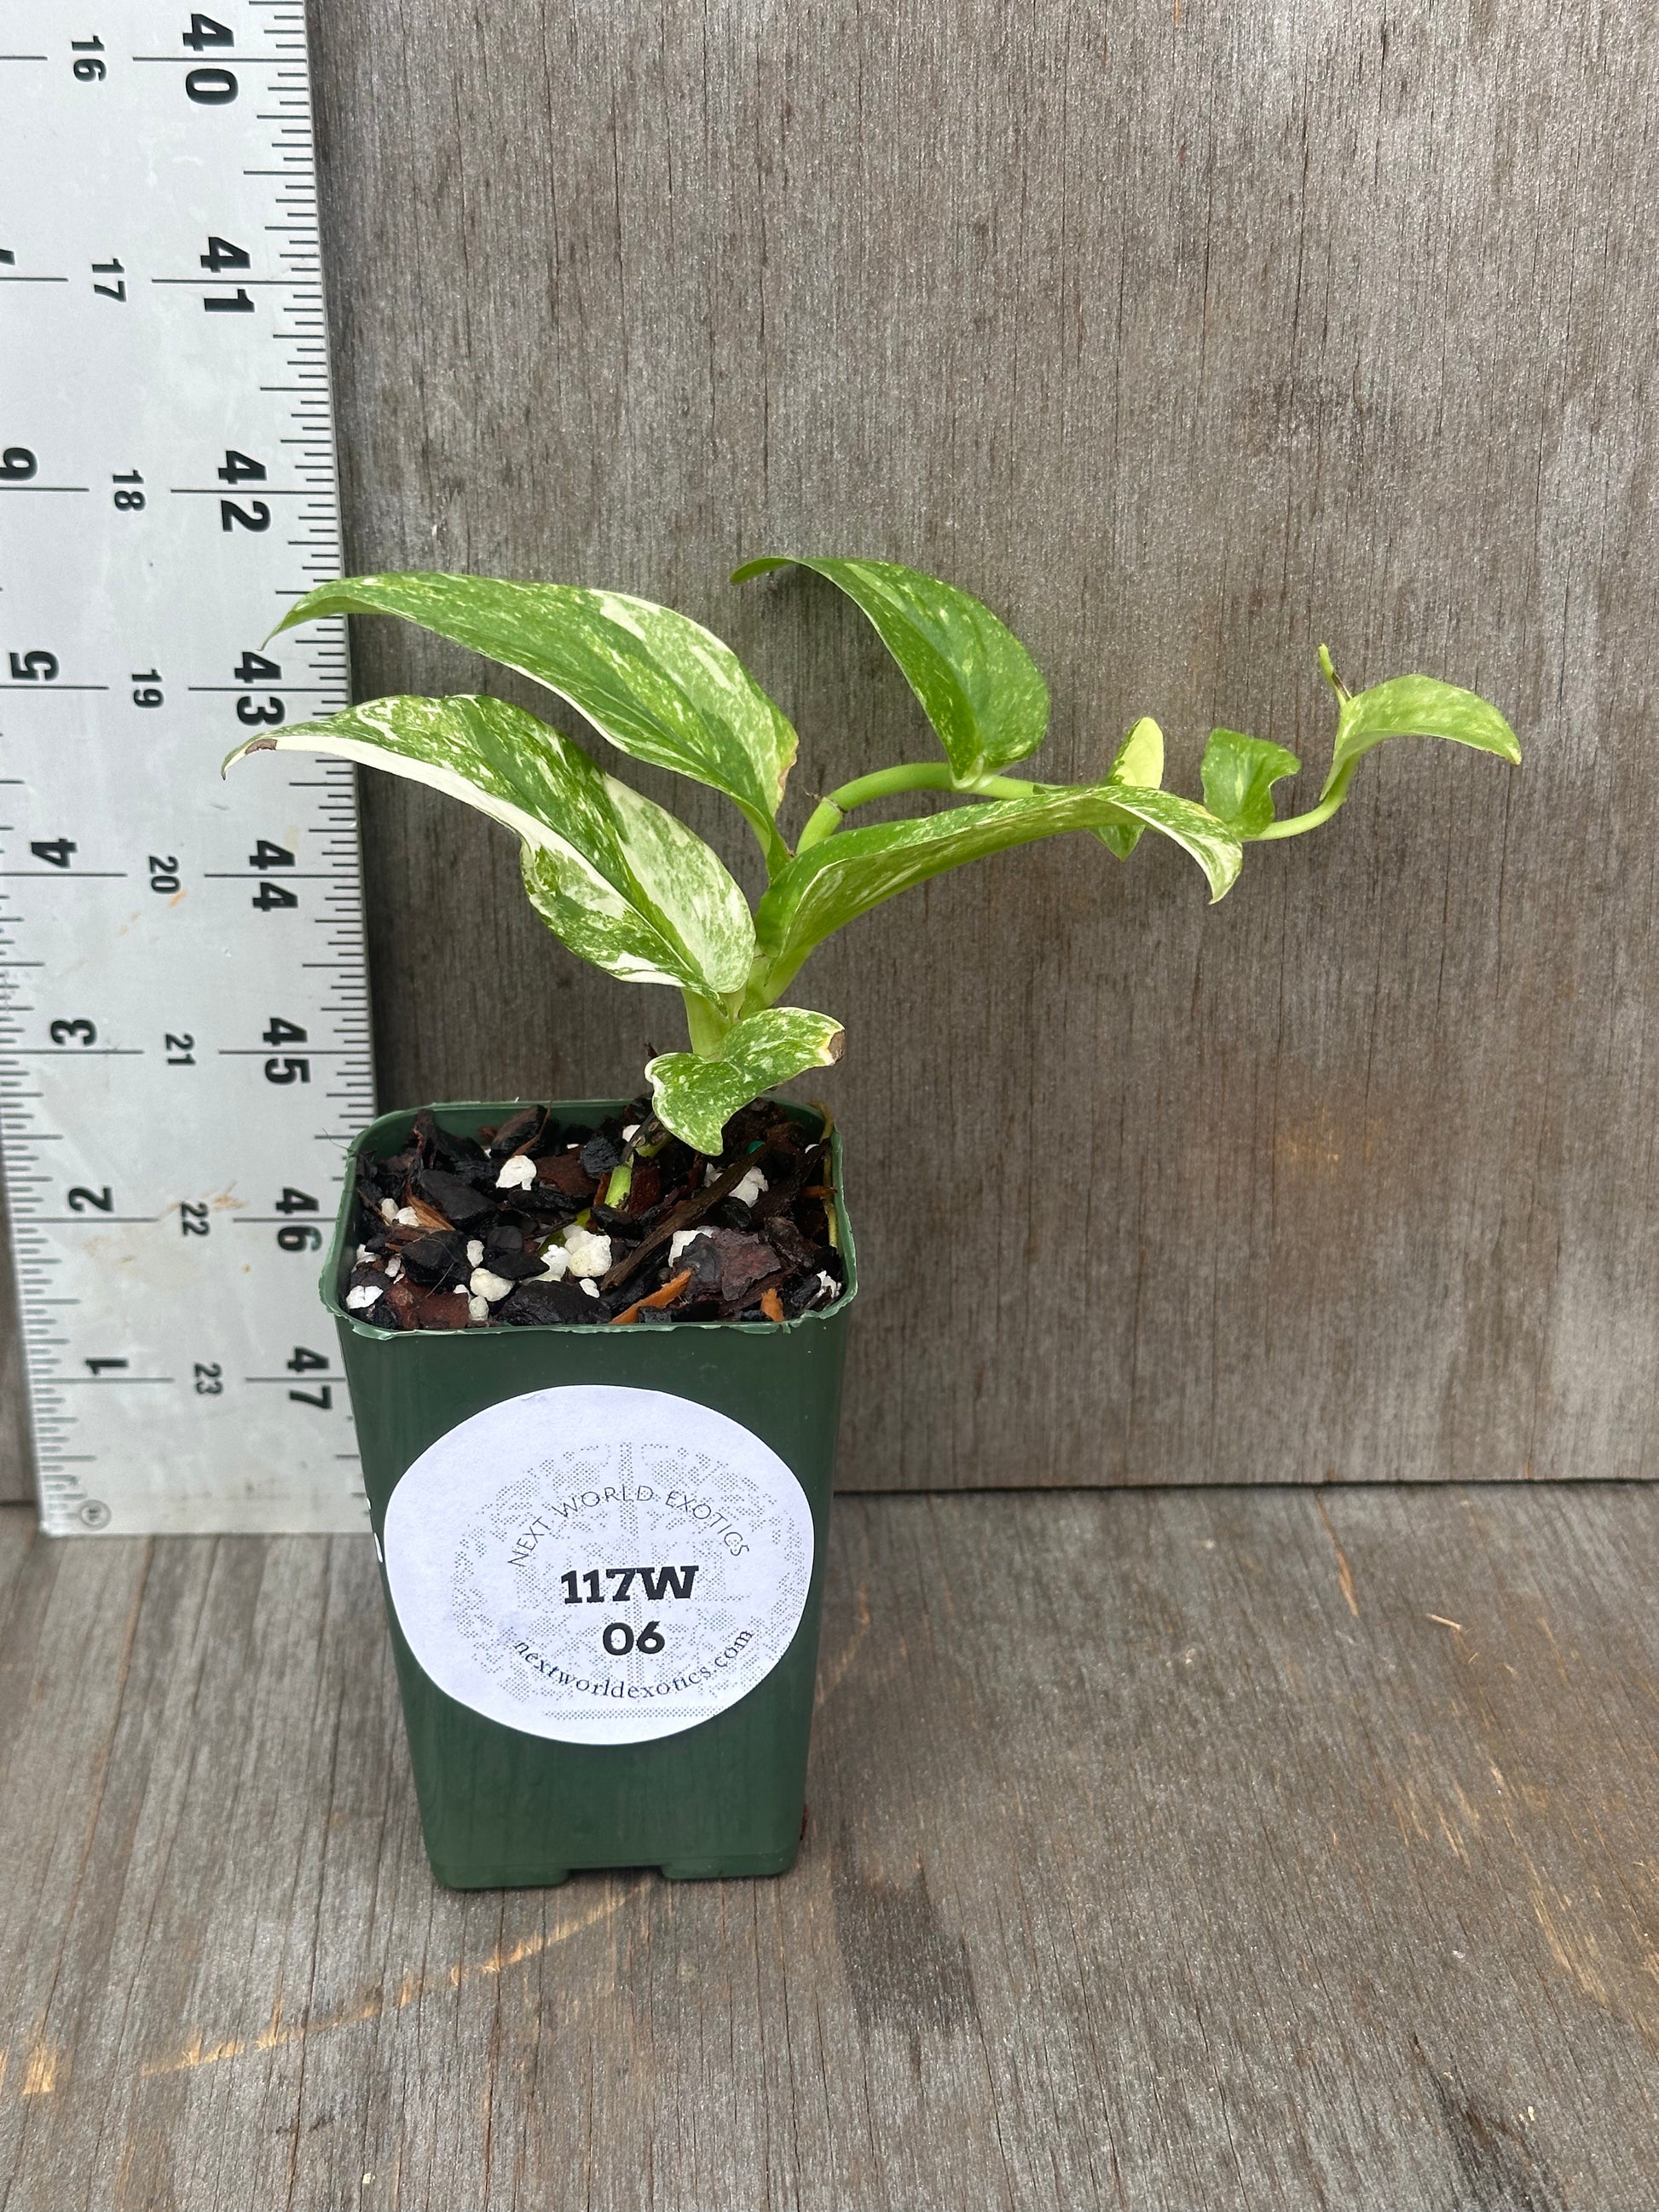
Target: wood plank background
1188 335
1228 1850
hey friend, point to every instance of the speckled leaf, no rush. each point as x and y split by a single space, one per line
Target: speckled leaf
658 685
978 686
1412 706
1239 774
1138 760
695 1098
619 879
848 873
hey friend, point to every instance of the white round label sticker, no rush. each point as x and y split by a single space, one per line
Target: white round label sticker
598 1565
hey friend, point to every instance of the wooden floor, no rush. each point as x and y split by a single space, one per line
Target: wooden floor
1192 1849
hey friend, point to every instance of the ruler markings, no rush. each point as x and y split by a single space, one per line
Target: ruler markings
148 393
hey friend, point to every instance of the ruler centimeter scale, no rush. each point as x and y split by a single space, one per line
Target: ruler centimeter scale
183 1019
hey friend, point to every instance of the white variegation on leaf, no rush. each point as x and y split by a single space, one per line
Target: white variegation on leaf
1138 760
629 888
978 686
696 1097
845 875
659 686
1238 773
1411 707
618 879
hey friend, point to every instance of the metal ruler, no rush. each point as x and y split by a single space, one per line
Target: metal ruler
184 1030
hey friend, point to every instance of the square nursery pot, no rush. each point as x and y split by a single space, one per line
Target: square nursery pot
561 1711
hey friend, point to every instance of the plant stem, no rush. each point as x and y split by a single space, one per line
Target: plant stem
707 1024
884 782
1294 824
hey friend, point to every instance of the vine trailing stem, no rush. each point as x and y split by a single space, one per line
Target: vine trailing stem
888 782
1294 824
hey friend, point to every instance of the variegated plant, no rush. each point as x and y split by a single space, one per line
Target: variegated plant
630 888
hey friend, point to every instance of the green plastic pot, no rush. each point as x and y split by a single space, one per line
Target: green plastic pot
501 1808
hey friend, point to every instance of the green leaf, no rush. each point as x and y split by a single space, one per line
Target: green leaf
978 686
1138 760
695 1098
1412 706
618 879
848 873
1239 774
658 685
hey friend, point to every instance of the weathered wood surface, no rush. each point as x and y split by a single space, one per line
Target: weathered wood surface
1188 337
1247 1849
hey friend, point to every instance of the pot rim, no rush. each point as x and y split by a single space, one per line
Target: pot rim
482 1109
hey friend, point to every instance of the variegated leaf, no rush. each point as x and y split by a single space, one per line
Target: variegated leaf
1138 760
848 873
656 683
1411 707
978 686
1238 773
696 1097
622 883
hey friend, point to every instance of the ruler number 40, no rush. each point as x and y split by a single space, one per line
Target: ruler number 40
213 86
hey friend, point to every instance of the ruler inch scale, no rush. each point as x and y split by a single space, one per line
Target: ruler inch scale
183 1015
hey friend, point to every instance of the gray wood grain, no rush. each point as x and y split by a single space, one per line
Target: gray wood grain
1188 338
1179 1849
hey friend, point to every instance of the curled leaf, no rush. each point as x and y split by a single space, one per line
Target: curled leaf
1239 774
695 1096
1412 706
1138 760
978 686
618 877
